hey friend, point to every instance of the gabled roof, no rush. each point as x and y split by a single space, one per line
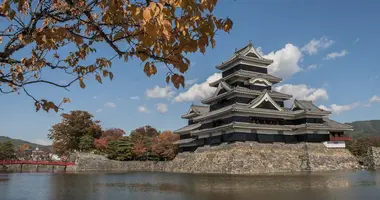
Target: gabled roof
248 75
195 110
201 109
247 53
222 85
264 97
259 81
246 91
307 105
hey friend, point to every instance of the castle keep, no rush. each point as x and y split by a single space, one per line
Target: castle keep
245 108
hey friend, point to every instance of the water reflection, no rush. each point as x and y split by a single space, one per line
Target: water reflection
99 186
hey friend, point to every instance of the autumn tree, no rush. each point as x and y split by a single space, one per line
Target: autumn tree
359 147
21 150
24 147
164 147
35 32
120 149
142 141
7 151
67 134
107 136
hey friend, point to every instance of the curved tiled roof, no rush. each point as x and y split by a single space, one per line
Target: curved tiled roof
197 110
248 74
245 125
243 90
336 125
184 141
201 109
244 54
308 106
187 128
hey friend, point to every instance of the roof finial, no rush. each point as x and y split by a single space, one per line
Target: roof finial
235 50
250 42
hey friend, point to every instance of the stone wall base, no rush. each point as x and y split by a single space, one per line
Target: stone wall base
373 158
237 158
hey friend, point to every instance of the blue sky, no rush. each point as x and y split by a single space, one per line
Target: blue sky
326 51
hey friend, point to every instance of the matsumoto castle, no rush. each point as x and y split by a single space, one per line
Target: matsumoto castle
245 108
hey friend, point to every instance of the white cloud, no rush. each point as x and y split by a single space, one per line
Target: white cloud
339 109
285 61
375 99
110 105
99 110
324 108
303 92
333 55
94 97
199 91
135 98
191 82
41 141
143 109
367 105
357 40
313 66
260 51
161 107
160 92
314 45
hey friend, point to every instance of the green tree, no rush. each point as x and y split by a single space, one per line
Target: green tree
86 143
34 32
120 149
67 134
7 151
107 136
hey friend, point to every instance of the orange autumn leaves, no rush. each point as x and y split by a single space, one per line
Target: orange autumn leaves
159 31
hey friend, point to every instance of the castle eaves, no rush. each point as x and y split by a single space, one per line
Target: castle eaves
248 75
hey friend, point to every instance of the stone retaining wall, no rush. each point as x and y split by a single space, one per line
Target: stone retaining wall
237 158
374 158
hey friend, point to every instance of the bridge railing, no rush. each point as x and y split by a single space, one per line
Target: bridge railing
32 162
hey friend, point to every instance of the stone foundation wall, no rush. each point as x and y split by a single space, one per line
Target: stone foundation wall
237 158
374 158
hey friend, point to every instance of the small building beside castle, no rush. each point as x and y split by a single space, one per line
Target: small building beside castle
245 108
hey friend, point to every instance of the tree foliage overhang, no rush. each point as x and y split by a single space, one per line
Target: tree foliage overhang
151 30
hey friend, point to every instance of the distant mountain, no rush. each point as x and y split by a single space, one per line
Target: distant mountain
17 142
365 128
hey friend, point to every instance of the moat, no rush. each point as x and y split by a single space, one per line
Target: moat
158 186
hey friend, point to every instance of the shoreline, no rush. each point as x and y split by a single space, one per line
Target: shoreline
248 158
237 158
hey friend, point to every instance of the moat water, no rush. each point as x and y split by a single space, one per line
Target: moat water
160 186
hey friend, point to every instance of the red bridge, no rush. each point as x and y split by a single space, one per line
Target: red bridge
31 162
